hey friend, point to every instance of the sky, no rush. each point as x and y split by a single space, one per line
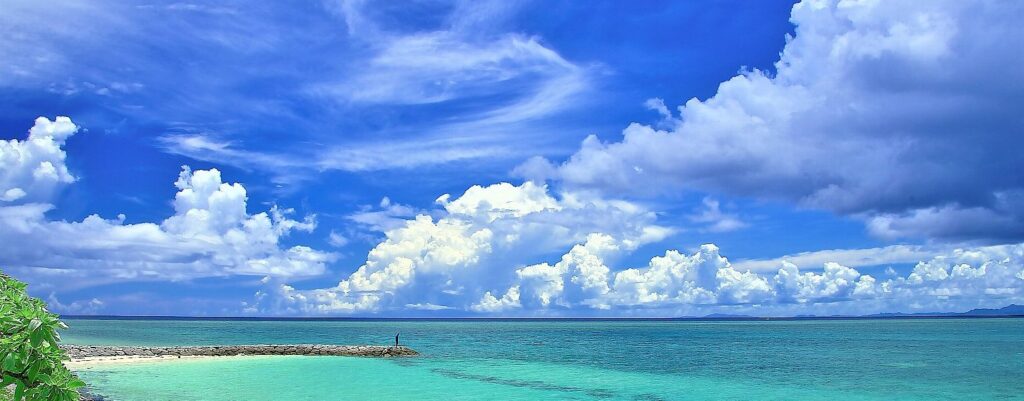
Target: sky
513 158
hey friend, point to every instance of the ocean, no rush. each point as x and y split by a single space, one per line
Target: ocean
861 359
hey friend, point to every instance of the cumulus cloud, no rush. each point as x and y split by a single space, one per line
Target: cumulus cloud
32 169
488 252
705 281
210 233
491 304
545 284
81 307
481 235
901 113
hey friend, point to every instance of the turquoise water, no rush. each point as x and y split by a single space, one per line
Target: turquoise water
946 359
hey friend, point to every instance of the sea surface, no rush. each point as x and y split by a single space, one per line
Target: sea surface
884 359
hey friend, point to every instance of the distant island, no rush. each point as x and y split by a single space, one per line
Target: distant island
1009 310
1012 310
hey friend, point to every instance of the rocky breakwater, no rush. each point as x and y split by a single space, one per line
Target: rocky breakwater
377 351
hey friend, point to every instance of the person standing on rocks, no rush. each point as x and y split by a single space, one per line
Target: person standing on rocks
396 338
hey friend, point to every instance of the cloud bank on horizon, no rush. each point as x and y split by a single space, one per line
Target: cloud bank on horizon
901 115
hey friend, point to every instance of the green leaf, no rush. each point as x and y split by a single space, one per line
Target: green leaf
70 395
29 346
36 338
9 363
33 371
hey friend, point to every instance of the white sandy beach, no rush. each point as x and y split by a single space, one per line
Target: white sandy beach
94 361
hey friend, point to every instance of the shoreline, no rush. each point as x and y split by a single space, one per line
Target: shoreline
89 362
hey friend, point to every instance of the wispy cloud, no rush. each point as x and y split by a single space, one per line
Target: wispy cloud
461 89
893 254
715 219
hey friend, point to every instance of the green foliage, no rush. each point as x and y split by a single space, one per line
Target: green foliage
29 356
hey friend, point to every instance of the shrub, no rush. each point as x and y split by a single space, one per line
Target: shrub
30 358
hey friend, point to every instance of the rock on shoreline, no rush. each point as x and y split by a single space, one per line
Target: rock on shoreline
378 351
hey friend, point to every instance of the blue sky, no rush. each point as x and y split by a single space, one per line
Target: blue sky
444 158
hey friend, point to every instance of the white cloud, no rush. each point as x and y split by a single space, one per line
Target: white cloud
461 57
444 65
491 304
583 267
892 254
32 169
702 278
836 282
207 147
716 220
705 281
502 200
462 86
408 153
83 307
902 113
336 240
389 216
509 81
210 234
451 260
487 254
427 307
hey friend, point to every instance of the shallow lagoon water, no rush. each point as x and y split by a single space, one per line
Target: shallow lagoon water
912 359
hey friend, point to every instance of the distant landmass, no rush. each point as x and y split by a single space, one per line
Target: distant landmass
728 316
1009 310
1006 311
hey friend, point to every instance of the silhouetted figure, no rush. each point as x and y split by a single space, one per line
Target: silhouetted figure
396 338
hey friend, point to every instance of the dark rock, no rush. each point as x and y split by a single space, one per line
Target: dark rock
78 351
